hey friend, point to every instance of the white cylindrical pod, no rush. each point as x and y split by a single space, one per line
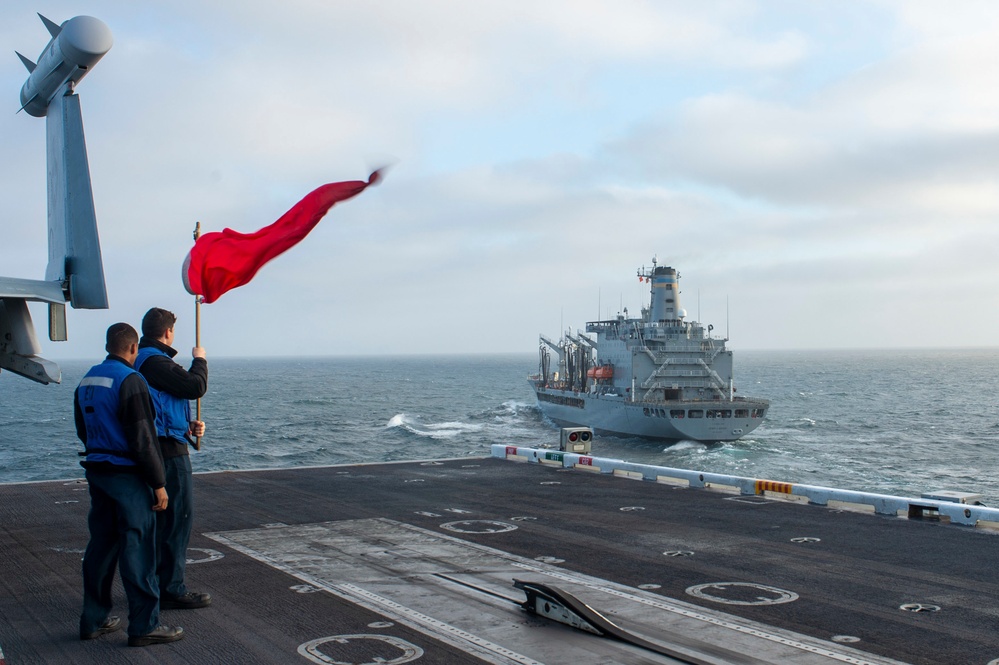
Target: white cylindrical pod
81 42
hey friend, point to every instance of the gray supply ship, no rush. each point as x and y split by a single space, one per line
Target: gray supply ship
658 376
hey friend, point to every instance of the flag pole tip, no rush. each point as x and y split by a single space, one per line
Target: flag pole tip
378 174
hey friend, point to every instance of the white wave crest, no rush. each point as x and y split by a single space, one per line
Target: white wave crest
515 407
685 445
445 430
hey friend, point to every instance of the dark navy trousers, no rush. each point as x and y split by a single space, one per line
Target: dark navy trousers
123 534
173 526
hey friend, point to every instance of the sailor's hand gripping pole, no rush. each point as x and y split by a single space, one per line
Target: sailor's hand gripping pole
197 334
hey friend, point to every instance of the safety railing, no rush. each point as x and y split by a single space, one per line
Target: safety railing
882 504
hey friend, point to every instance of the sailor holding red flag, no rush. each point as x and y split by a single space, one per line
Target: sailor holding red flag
218 262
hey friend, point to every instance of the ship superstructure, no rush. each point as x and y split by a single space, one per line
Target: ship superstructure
657 376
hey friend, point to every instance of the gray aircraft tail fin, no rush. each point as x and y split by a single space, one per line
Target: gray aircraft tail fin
75 271
74 243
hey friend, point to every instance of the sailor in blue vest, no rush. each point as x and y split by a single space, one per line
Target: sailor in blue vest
124 469
172 388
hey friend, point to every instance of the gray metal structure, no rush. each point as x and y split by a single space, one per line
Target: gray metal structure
75 272
658 376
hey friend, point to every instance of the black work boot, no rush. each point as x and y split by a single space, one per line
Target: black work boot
158 635
191 600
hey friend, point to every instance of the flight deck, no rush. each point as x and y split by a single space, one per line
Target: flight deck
418 561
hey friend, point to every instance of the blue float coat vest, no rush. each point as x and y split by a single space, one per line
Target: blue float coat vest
97 396
173 414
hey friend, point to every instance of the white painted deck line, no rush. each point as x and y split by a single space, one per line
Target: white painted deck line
425 580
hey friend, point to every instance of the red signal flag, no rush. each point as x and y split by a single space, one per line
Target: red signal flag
223 260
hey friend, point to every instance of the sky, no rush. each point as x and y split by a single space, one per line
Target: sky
822 174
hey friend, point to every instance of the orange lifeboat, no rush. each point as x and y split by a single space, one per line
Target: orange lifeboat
592 372
604 372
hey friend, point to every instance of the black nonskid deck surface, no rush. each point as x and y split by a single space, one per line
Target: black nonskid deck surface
836 577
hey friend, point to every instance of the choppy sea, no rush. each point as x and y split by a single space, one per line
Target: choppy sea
894 422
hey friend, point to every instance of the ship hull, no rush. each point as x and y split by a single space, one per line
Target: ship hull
663 421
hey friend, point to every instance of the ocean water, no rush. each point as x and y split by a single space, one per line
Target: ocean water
895 422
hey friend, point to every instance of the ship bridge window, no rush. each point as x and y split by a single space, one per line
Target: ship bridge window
742 413
695 413
676 413
759 413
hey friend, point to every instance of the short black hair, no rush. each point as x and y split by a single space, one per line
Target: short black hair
156 322
121 337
